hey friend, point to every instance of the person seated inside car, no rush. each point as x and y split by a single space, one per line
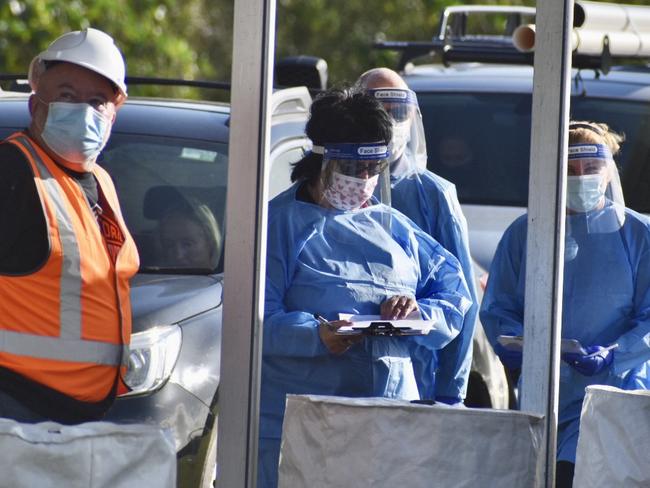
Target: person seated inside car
454 160
190 236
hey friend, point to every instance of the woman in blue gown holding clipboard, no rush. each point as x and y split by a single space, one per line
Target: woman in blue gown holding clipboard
333 249
606 298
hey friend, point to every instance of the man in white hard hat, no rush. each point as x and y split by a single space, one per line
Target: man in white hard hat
431 202
66 256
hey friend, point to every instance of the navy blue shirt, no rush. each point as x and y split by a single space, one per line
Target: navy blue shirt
23 233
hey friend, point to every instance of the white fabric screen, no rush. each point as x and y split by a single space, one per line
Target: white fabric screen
614 442
90 455
374 442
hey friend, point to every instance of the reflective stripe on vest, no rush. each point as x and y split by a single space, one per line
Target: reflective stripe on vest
71 350
69 346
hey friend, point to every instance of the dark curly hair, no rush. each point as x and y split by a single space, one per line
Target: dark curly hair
342 115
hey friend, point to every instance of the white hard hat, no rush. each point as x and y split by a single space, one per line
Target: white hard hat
90 48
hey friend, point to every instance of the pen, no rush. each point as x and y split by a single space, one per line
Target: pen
323 321
608 348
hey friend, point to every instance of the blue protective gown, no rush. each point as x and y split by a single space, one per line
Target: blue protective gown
325 261
431 202
606 300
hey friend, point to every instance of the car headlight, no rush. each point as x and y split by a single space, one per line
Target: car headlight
152 356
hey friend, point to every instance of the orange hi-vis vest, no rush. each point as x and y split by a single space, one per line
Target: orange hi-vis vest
67 325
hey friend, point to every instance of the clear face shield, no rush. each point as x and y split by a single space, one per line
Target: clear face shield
354 176
594 200
408 146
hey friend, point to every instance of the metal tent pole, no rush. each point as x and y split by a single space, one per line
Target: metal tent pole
546 203
252 71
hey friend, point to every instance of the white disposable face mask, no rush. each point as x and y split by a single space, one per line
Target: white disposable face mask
401 136
349 193
584 193
76 132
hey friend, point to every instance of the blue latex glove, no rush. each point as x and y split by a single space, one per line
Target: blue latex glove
510 359
596 360
447 400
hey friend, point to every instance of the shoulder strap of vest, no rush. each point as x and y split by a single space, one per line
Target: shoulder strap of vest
15 135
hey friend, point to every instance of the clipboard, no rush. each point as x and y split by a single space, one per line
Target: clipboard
386 328
373 325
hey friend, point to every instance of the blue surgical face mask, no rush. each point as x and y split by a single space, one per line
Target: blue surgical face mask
76 132
584 193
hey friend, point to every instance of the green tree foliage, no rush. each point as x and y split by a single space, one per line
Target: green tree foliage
163 38
192 39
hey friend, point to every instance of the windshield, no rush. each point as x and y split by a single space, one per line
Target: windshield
481 142
173 195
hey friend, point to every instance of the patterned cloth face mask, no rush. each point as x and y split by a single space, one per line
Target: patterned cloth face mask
348 192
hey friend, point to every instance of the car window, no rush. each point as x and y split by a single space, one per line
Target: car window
173 196
481 143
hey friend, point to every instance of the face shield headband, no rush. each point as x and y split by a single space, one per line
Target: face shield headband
399 103
356 160
374 151
590 151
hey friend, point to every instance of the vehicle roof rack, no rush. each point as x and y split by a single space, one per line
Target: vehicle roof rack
300 97
142 80
454 43
20 83
592 48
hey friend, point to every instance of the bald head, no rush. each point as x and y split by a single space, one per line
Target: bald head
381 78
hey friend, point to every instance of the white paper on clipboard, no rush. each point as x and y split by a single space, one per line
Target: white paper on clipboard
516 343
413 324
